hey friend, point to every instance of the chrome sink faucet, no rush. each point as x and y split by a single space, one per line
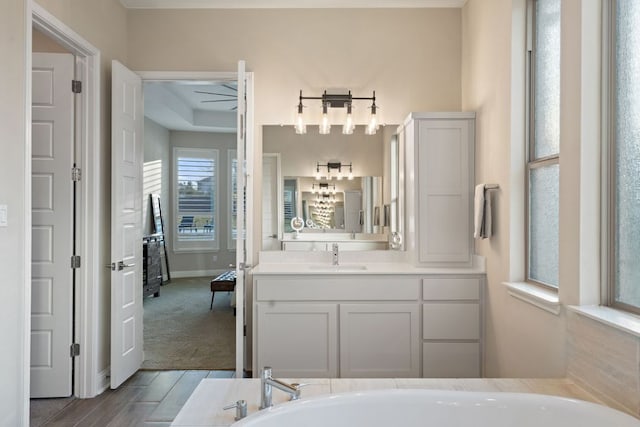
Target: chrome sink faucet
267 382
334 249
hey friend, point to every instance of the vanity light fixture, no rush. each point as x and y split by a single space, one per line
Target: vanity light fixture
337 166
323 188
338 100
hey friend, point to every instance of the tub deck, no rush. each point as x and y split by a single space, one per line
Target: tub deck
204 407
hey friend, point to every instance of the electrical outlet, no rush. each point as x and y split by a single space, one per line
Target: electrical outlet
214 258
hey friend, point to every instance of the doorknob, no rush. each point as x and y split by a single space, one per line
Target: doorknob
122 265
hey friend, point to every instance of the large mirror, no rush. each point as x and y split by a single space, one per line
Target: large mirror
339 185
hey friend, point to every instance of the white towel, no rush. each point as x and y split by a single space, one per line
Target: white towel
482 213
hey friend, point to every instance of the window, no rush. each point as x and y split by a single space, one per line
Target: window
195 192
543 167
624 155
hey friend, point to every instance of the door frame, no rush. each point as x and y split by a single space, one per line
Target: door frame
242 319
87 136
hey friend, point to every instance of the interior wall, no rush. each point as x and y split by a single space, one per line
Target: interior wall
16 275
186 264
521 340
103 23
157 169
42 43
410 57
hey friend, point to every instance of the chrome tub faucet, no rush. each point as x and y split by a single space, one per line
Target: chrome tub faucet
267 382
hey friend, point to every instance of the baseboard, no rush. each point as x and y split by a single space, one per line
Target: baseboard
103 380
196 273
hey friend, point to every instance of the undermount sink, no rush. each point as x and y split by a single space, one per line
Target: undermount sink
339 267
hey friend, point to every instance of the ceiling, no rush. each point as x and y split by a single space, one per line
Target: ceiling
287 4
192 105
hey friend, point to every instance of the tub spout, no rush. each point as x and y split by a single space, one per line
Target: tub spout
267 383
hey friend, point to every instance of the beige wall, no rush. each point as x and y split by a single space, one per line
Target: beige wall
521 340
157 171
16 275
411 58
41 43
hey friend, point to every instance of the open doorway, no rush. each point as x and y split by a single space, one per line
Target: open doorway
190 165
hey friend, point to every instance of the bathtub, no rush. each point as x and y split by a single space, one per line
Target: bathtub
412 408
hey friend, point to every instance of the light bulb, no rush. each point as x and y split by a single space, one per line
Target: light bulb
348 127
372 127
350 177
300 127
325 126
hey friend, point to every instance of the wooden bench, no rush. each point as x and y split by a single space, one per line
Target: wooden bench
225 282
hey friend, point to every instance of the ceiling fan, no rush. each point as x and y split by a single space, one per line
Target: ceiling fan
229 97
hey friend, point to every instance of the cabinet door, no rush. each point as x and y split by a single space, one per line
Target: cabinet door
379 340
444 195
298 340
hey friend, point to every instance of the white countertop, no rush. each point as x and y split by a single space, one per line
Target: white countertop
356 268
204 407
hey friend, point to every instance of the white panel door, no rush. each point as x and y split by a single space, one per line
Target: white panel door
126 223
52 225
245 218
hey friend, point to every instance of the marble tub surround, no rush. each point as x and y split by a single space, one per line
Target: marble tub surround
204 407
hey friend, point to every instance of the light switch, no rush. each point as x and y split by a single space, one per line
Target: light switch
3 215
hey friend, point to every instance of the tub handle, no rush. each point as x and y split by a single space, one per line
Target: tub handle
241 409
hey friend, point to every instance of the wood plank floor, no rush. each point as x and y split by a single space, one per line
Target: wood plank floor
148 399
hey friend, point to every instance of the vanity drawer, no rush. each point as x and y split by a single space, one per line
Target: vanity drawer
451 321
332 288
456 288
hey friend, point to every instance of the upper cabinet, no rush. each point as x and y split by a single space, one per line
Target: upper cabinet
439 178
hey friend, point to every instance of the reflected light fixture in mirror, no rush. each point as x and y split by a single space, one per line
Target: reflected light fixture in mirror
338 100
333 166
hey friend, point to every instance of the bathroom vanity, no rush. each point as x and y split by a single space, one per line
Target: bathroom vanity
367 320
411 312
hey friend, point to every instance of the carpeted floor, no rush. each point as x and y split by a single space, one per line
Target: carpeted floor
180 332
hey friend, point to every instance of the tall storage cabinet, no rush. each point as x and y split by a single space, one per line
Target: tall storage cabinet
439 174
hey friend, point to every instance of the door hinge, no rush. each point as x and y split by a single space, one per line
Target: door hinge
76 86
244 330
75 350
75 261
76 174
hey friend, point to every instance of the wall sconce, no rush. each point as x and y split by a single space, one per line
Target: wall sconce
323 188
334 165
337 101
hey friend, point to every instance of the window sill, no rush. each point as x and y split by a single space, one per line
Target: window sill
545 299
617 319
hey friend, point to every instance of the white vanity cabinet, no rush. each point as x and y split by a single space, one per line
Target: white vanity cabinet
439 153
368 325
337 326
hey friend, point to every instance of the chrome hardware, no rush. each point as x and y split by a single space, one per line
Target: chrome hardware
334 249
122 265
267 383
241 409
